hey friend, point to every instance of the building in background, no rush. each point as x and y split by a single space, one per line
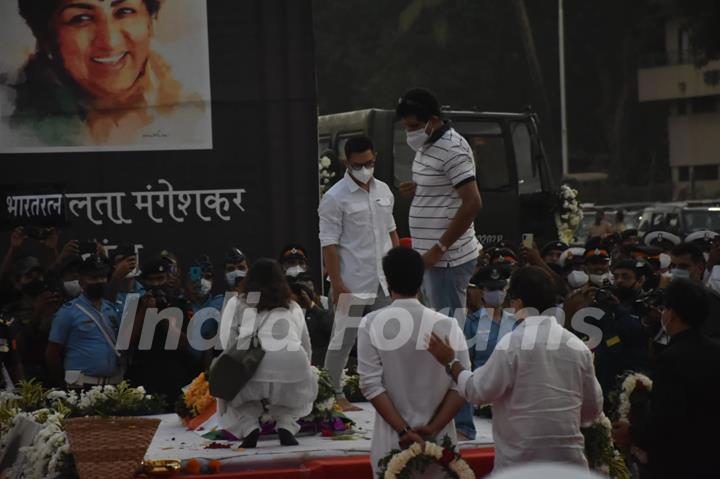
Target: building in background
693 94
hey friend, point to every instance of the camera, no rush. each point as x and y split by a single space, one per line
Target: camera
161 299
604 298
651 300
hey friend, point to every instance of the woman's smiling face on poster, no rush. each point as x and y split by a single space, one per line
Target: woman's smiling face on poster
103 45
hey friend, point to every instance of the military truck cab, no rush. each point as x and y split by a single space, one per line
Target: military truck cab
513 176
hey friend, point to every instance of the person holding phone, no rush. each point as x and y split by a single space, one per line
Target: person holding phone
445 200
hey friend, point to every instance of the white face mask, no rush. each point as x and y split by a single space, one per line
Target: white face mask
494 299
72 288
364 175
416 139
233 276
678 273
295 271
664 261
600 280
577 279
205 286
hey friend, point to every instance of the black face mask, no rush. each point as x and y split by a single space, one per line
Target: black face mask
33 288
95 291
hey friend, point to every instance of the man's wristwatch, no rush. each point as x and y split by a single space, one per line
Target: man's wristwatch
449 366
405 430
442 247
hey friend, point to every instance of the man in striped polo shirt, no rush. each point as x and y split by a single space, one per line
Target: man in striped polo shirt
445 202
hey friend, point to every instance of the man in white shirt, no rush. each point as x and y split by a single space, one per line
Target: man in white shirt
540 381
413 396
357 228
445 201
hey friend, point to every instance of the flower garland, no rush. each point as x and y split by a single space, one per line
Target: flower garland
325 172
632 381
600 451
633 391
569 215
48 455
402 464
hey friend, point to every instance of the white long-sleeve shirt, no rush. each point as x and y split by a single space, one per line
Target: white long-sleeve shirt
541 382
359 223
392 359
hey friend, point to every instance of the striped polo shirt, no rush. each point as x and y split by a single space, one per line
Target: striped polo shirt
440 167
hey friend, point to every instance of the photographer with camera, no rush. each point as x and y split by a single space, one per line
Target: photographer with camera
625 341
33 313
159 370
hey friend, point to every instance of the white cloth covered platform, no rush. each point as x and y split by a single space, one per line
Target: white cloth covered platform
174 441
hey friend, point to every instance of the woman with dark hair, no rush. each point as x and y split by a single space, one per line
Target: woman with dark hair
284 381
94 77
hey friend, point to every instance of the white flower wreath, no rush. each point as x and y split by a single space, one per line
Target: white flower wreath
400 460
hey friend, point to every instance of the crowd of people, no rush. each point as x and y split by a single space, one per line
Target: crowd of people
619 303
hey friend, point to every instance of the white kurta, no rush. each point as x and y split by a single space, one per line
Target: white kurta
284 377
541 382
392 359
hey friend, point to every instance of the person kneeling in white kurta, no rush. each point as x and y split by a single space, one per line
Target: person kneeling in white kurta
284 378
413 396
540 380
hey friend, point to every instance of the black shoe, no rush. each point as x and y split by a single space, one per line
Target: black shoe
286 438
251 440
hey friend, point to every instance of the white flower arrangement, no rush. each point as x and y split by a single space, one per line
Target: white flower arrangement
325 173
400 460
569 216
327 405
49 452
626 389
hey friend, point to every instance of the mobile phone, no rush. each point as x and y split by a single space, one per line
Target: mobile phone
528 240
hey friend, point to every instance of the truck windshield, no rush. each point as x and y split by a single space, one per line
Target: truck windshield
701 219
488 144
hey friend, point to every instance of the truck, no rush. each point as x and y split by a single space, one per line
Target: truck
518 190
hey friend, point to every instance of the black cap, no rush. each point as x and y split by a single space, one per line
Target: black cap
491 277
94 265
597 255
204 263
502 255
234 255
156 265
554 246
26 265
293 252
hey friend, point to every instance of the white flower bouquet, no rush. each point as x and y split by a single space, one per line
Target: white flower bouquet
569 215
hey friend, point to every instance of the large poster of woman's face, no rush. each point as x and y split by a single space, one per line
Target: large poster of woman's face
104 75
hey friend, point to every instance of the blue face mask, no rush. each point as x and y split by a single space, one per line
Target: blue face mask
494 299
